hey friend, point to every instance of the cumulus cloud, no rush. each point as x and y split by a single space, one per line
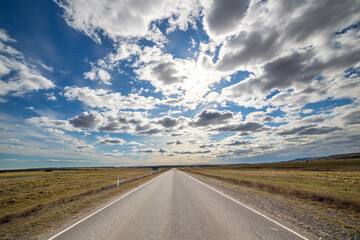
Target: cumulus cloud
54 131
47 122
211 117
98 73
148 150
129 19
101 98
129 122
303 63
13 140
112 141
51 96
298 72
237 143
242 127
307 111
318 130
168 122
259 116
184 82
309 130
206 145
192 152
124 122
89 120
162 150
84 148
291 52
250 48
222 17
352 118
166 73
17 75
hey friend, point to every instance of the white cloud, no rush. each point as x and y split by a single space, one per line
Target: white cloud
101 98
188 79
112 141
25 78
88 120
84 148
308 111
51 96
293 51
126 18
53 130
289 46
98 73
222 18
13 140
46 67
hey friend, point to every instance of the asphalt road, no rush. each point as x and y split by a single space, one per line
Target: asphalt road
176 206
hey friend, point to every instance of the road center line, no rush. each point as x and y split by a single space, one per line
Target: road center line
58 234
292 231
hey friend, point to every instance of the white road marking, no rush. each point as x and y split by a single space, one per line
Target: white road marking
53 237
292 231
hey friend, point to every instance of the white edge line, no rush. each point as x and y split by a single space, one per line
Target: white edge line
58 234
247 207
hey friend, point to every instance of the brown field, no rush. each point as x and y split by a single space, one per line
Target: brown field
33 202
329 184
335 182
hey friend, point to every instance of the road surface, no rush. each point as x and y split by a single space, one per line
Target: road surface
176 206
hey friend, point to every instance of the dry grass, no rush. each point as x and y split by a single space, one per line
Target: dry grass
336 182
31 202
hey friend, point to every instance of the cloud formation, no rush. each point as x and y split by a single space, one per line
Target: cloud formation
93 17
17 75
86 120
211 117
112 141
200 81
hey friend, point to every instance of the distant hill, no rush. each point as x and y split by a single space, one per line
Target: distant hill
337 156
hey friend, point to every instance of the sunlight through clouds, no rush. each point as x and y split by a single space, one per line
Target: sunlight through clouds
192 81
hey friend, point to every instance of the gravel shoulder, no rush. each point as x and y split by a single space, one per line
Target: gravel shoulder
318 220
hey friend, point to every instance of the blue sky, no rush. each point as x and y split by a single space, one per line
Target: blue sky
122 83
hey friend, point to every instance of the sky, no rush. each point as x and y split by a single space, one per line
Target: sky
162 82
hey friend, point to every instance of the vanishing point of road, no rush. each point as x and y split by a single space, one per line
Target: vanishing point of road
176 206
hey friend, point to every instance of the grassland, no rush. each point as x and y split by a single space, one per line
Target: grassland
335 182
32 202
330 189
320 196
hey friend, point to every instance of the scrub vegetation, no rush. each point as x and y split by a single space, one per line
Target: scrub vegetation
33 202
336 181
332 184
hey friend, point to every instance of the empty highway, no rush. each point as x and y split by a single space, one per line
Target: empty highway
176 206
